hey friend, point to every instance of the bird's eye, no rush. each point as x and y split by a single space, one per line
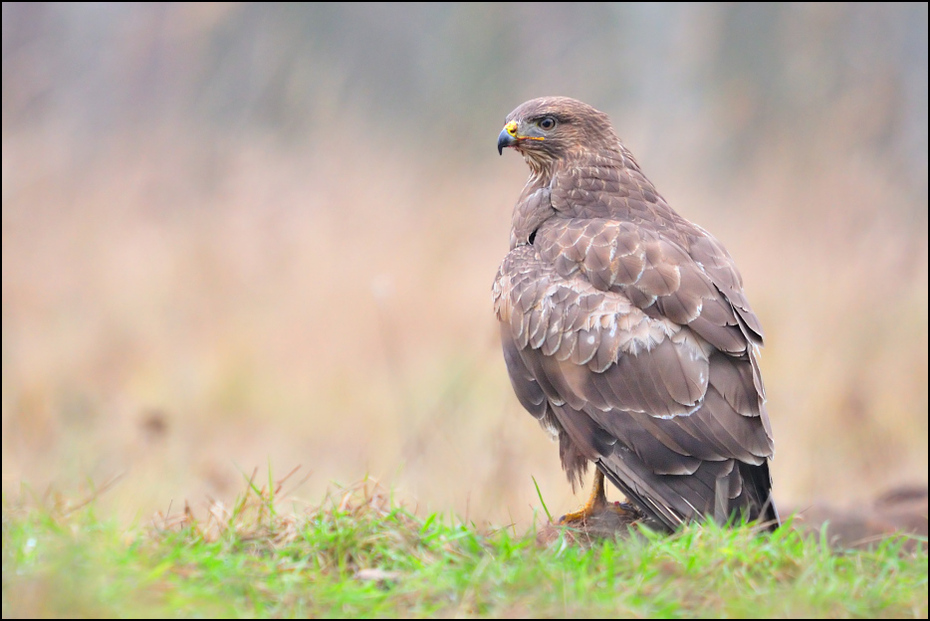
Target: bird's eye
547 123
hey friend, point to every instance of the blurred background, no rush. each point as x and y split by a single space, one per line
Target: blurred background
246 236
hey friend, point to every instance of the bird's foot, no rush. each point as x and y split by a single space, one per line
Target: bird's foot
598 510
622 512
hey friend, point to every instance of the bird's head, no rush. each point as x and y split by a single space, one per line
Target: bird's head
549 129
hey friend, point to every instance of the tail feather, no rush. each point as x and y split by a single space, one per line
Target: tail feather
719 491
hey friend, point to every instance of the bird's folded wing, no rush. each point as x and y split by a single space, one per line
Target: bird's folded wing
647 381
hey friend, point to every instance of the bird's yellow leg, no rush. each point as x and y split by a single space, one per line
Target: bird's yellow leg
597 505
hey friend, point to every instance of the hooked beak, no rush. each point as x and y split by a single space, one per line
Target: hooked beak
507 137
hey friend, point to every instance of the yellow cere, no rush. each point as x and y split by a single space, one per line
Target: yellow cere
511 128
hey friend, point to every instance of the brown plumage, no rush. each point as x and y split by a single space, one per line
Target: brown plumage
625 328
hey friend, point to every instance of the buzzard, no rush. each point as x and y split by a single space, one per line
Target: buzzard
626 332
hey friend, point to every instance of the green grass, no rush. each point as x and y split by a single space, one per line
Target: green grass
360 554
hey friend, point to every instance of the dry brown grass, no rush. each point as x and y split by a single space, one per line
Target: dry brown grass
177 311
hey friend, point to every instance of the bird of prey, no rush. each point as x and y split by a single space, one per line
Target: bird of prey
626 331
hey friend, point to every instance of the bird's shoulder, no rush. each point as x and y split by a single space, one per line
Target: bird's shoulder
610 185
